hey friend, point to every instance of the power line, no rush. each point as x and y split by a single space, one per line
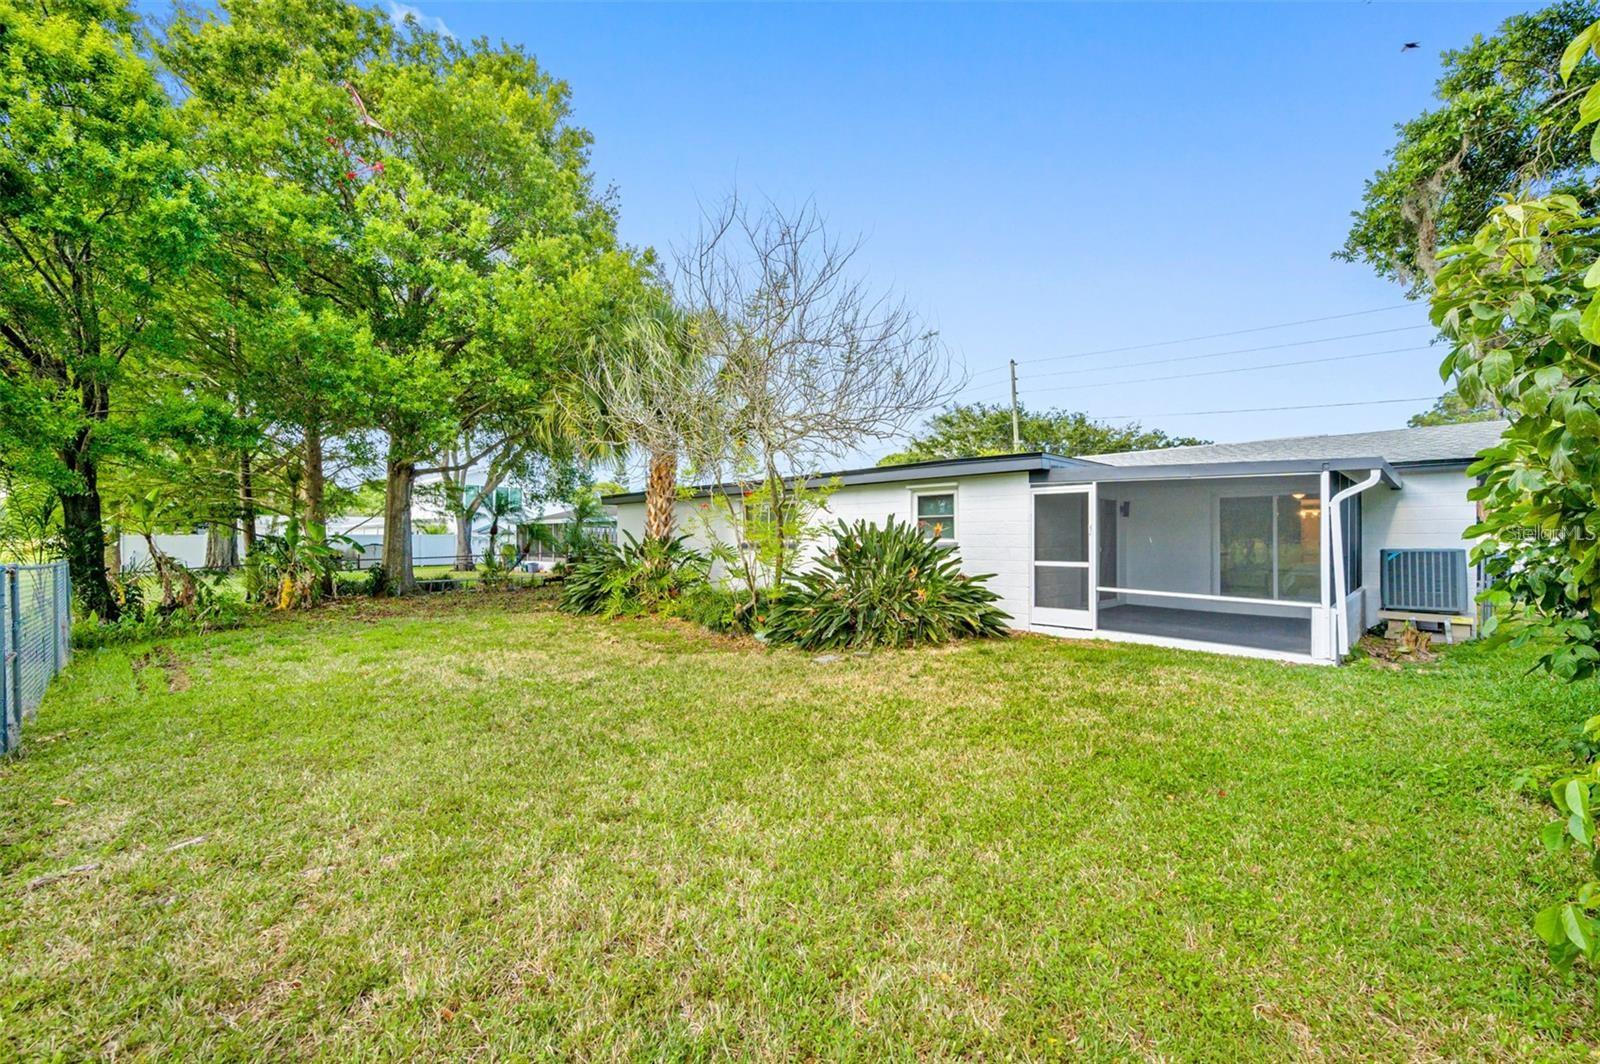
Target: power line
1267 409
1250 369
1232 351
988 389
1207 336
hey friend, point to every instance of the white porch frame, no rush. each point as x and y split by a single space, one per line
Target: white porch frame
1324 646
1084 620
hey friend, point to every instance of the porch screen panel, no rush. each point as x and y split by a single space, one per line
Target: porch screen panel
1061 527
1060 587
1350 517
1245 524
1299 548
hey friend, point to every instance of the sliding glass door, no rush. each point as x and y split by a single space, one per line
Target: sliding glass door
1270 546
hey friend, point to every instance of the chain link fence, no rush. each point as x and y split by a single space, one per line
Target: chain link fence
35 640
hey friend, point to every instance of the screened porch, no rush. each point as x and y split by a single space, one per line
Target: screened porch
1206 559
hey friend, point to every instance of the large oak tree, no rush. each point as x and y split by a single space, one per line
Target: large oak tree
98 213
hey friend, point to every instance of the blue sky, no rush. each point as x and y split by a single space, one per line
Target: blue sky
1043 181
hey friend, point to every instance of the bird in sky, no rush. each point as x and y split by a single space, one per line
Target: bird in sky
1409 45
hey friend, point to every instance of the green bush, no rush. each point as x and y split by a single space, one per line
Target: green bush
883 587
214 613
721 609
633 579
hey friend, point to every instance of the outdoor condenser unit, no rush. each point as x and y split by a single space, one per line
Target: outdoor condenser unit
1425 580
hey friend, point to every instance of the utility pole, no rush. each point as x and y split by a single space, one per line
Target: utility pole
1016 428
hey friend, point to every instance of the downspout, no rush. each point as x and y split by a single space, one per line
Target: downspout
1341 629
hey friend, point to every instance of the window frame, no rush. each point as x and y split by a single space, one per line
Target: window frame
1273 496
954 517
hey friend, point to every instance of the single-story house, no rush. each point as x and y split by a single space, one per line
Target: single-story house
1223 547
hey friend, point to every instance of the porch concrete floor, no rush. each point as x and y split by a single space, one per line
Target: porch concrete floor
1290 635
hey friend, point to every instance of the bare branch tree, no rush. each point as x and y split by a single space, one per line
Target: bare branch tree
811 363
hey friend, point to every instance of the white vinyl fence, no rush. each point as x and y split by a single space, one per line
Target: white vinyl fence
35 640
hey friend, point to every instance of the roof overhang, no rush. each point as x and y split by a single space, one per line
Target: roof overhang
1094 473
1032 463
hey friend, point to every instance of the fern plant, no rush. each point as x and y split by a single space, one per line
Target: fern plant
884 587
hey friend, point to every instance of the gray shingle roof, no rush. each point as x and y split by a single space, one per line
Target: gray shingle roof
1438 443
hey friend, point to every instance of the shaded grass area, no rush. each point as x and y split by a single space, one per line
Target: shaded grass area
474 825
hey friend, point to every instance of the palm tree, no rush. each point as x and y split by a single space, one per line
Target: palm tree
650 386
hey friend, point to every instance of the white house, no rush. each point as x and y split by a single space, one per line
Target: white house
1221 547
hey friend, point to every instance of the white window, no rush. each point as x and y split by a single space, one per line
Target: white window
936 513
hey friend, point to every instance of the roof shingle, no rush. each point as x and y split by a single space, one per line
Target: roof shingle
1435 443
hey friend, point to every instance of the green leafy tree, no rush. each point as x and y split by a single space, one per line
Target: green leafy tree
1451 409
1521 306
468 253
971 430
286 146
98 214
437 199
1504 121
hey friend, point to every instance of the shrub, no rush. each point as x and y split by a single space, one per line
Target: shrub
204 607
291 570
883 587
721 609
633 579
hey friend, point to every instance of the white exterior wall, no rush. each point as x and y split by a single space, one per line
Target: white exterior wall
1168 541
993 525
1431 511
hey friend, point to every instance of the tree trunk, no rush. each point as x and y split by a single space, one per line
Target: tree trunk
399 480
463 543
84 526
313 483
222 546
777 503
247 503
660 492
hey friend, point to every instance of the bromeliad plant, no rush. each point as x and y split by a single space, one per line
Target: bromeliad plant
884 587
633 579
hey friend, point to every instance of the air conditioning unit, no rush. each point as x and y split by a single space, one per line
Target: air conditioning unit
1425 580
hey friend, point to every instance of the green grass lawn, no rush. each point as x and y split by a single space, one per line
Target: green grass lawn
471 825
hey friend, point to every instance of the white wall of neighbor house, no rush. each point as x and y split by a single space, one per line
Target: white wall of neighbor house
1432 510
993 517
189 549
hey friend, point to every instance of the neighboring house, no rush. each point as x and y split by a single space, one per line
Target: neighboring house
1218 547
535 549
